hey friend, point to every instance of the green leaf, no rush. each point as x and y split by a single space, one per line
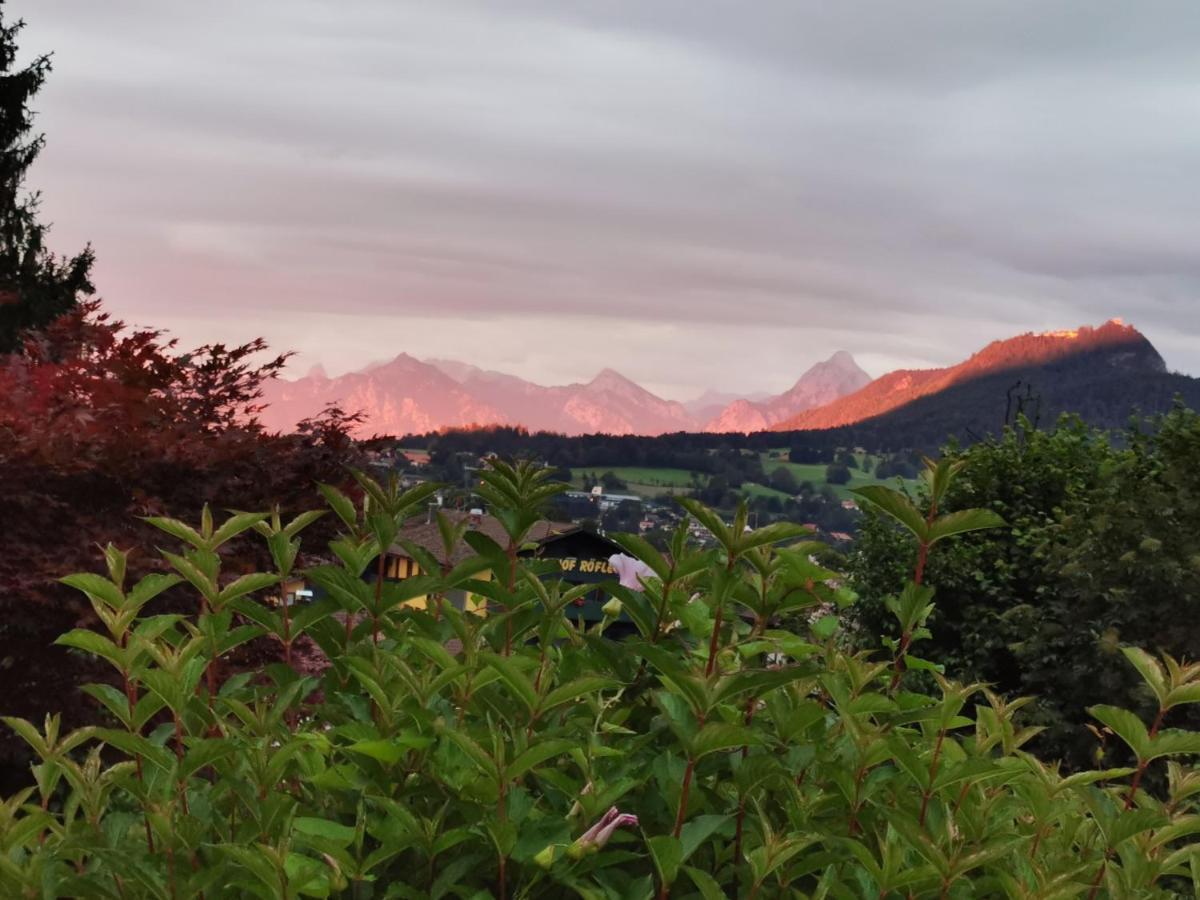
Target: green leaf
1174 742
667 854
572 690
758 681
194 575
96 587
136 745
963 521
150 587
177 529
246 584
302 521
1188 693
1126 726
717 736
233 526
825 627
1151 671
697 831
339 834
93 643
536 755
708 886
112 699
896 505
641 549
1132 822
520 685
473 751
677 676
710 520
1079 779
764 861
771 534
340 504
204 753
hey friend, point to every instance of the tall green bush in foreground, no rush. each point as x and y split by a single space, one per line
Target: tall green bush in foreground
1102 550
443 754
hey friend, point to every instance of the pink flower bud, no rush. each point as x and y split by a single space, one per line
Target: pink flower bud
597 836
630 570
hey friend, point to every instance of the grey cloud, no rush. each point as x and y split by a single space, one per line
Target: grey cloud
920 177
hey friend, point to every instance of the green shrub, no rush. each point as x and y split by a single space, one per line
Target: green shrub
445 754
1103 549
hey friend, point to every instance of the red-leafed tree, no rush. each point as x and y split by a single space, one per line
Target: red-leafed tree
101 424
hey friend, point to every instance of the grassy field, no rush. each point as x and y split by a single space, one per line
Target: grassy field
650 482
815 472
750 489
643 481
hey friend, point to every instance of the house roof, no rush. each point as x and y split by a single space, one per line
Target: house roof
427 535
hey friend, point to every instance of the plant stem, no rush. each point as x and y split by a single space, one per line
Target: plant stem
933 770
1098 879
684 788
712 644
379 570
741 815
1143 763
502 815
511 583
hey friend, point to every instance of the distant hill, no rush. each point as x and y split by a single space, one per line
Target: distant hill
409 396
1104 374
709 405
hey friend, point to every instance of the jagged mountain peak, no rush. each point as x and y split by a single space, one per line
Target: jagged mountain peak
821 383
609 378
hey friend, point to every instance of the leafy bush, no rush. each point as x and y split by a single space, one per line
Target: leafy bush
517 754
1103 550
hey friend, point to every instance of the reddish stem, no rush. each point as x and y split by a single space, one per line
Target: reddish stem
741 817
933 770
712 644
1099 878
1143 763
684 789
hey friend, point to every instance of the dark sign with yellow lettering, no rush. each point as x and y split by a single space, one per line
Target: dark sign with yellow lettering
586 566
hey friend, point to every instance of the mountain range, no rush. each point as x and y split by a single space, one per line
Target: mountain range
1072 370
409 396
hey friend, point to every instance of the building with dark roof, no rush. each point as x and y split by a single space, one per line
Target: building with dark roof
581 555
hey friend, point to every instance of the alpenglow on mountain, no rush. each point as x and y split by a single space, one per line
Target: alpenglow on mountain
1060 362
410 396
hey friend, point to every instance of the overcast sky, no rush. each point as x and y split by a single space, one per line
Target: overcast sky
695 193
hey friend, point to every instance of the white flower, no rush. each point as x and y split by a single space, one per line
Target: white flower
630 571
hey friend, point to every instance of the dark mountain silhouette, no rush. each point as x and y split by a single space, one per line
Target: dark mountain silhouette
1103 374
1110 349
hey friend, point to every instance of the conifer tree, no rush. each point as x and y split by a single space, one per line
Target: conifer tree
36 286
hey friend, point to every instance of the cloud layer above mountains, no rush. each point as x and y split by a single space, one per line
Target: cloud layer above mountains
700 193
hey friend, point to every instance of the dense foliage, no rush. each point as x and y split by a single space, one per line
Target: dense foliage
99 424
1104 549
449 754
